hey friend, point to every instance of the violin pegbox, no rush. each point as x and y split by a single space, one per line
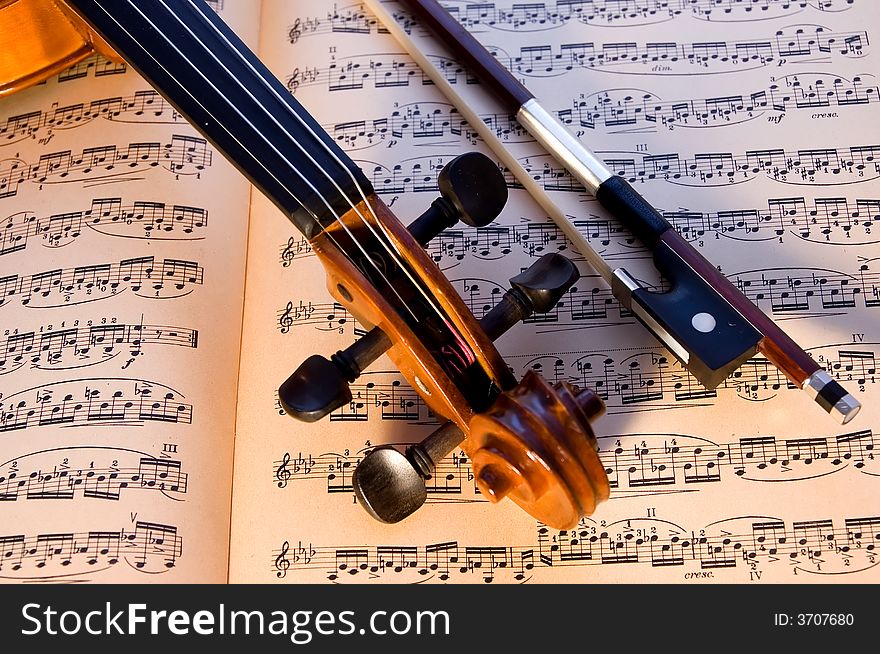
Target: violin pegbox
473 191
532 441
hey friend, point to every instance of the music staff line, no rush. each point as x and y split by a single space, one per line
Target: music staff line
783 292
94 65
436 123
636 464
87 344
672 57
811 546
181 155
145 106
664 58
131 404
544 16
141 219
144 276
620 109
66 482
643 381
805 167
147 546
786 293
541 16
645 377
827 220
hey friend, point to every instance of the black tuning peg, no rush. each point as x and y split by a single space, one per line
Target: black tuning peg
320 385
535 290
390 484
472 190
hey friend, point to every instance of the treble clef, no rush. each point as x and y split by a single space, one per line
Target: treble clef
293 81
282 563
295 31
282 474
286 320
288 253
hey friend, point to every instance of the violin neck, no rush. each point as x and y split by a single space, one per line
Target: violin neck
213 79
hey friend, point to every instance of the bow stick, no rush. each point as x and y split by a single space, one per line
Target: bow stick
704 320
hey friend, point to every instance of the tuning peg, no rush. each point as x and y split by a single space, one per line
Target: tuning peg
472 190
535 290
320 385
390 484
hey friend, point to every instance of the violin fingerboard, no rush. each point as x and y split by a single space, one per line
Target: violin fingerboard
198 63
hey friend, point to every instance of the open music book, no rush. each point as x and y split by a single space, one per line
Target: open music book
151 304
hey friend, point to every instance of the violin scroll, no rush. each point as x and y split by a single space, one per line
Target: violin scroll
536 446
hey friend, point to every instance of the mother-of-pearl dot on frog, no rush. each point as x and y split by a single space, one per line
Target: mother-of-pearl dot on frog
703 322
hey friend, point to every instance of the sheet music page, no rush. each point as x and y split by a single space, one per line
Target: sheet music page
122 249
751 125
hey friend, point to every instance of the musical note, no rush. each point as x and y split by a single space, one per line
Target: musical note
642 465
545 16
150 547
87 345
735 544
181 155
144 276
824 221
646 378
429 123
391 71
668 58
674 58
145 106
61 479
348 20
107 216
541 16
856 164
98 402
94 65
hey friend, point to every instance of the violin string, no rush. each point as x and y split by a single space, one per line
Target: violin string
386 244
255 158
389 244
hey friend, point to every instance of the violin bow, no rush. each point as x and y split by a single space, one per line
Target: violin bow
703 319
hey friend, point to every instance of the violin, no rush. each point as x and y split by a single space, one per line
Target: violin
528 439
39 39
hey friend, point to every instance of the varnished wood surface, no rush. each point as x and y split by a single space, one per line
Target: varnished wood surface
412 358
40 38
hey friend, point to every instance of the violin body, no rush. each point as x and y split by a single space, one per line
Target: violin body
529 440
39 39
